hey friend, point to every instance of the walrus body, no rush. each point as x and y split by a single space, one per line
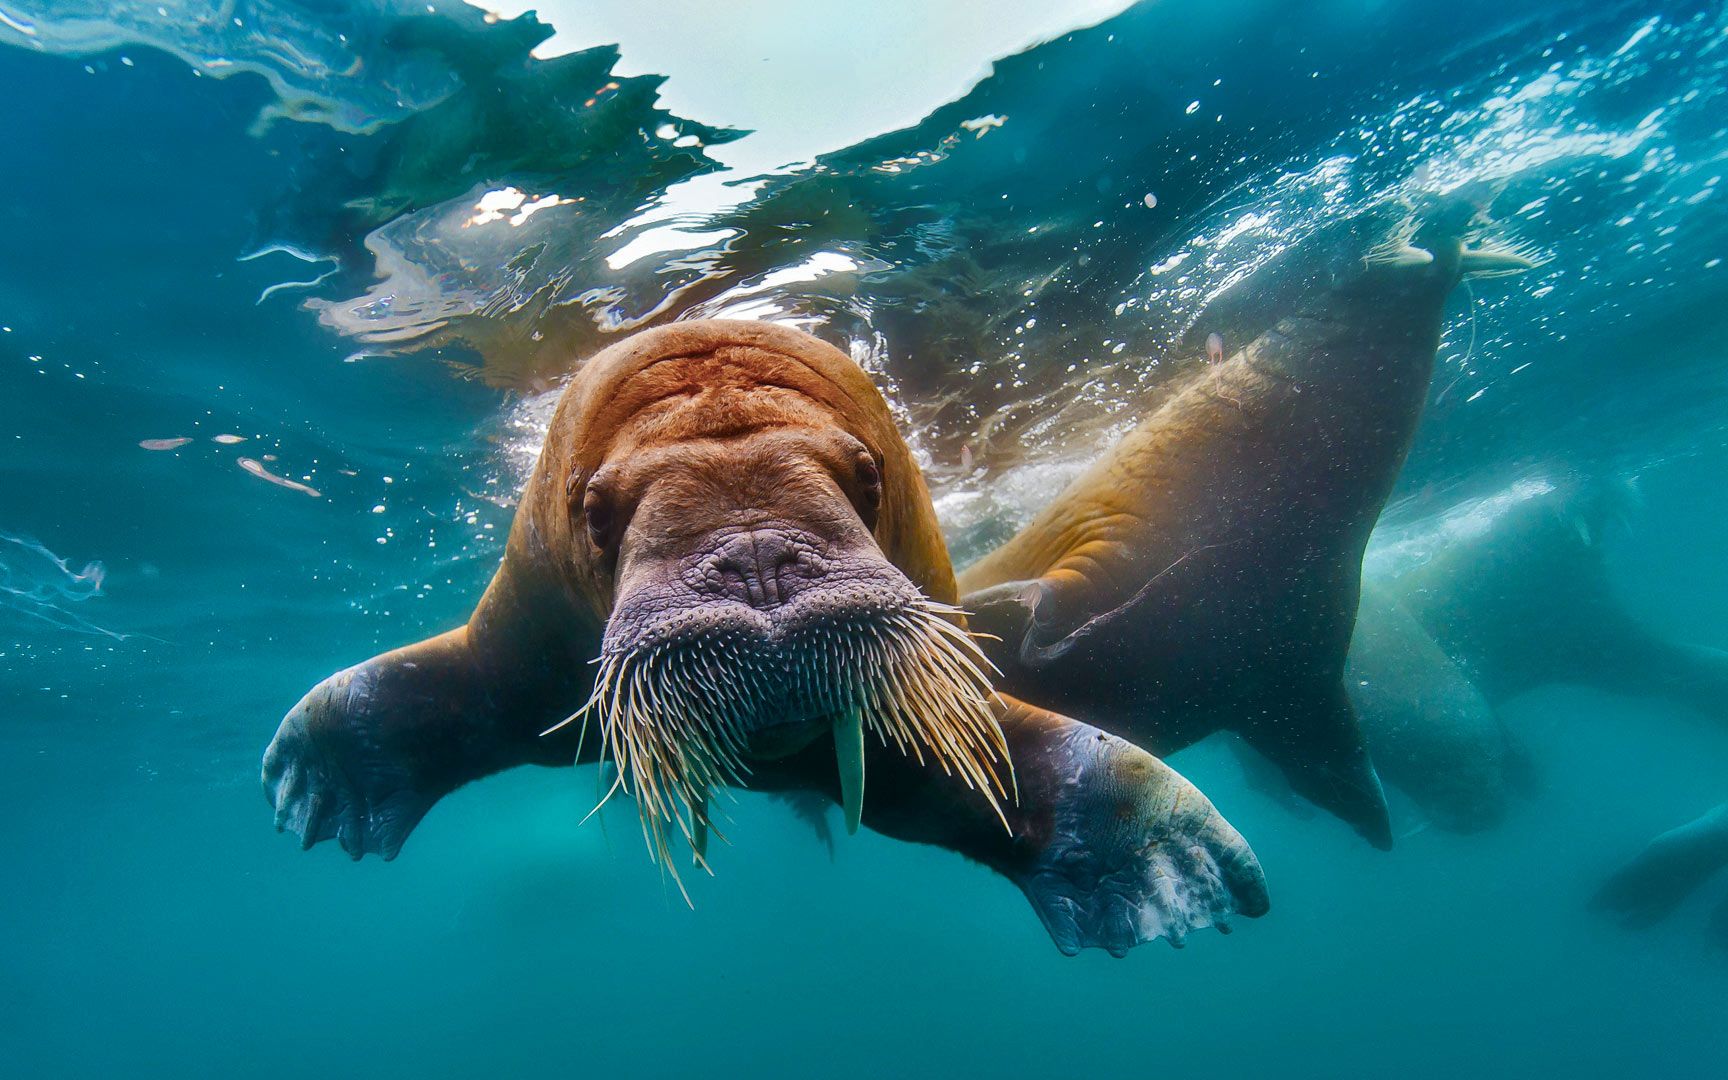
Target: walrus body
1495 598
1432 733
1517 590
724 515
1203 575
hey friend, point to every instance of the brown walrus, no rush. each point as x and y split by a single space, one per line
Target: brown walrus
1203 575
726 517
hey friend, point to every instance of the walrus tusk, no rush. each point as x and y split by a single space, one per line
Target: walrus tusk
699 832
849 753
1494 260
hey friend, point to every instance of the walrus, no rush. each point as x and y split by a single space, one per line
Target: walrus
1491 599
1516 588
1431 731
1670 868
726 570
1203 575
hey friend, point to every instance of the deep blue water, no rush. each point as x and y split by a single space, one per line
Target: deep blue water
1018 289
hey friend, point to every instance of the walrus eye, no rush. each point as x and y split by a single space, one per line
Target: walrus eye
869 486
597 512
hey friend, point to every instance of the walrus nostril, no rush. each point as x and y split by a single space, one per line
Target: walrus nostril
762 568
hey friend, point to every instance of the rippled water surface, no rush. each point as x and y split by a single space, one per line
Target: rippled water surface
287 291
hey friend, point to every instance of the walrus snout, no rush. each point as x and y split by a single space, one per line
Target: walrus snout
767 591
764 568
755 645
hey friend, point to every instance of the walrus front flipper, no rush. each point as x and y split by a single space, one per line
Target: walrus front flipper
1134 852
1319 745
331 774
812 809
369 750
1673 865
1112 847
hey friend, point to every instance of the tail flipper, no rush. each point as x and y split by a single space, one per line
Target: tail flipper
1321 750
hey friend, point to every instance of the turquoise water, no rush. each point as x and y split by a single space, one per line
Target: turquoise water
174 181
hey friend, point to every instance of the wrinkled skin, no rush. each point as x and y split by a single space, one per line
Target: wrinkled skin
1203 575
740 481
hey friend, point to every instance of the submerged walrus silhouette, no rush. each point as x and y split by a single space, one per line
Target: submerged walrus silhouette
1671 867
1492 599
726 517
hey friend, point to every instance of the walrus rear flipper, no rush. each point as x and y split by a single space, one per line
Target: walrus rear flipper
1669 869
1321 750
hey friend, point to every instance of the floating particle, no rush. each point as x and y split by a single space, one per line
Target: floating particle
1150 200
257 469
164 444
1214 348
228 440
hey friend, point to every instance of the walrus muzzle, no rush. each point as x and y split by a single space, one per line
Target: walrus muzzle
753 615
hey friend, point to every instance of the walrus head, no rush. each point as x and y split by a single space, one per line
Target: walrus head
740 510
1361 274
